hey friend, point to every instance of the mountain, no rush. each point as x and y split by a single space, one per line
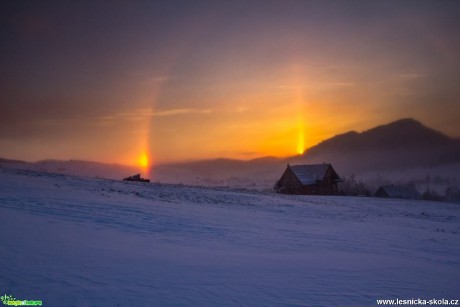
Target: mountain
402 144
402 134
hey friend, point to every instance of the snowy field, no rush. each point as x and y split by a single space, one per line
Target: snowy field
75 241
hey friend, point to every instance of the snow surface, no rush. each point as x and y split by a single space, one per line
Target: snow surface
75 241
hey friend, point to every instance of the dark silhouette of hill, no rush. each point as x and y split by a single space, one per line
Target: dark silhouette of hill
405 143
3 160
73 167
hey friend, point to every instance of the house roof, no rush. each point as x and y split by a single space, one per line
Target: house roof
397 191
312 173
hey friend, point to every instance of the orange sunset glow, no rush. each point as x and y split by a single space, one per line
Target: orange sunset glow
218 83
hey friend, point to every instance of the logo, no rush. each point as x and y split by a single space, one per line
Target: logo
9 300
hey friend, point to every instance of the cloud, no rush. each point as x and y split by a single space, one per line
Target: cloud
316 85
409 76
172 112
241 109
155 80
143 114
406 92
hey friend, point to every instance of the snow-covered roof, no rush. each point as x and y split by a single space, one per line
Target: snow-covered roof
398 191
310 174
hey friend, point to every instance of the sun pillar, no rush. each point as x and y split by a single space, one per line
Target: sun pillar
301 140
143 162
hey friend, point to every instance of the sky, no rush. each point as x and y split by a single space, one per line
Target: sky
164 81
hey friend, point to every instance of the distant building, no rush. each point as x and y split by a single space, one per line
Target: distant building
453 194
397 191
313 179
136 177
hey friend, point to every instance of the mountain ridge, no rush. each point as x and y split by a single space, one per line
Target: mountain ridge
397 134
402 143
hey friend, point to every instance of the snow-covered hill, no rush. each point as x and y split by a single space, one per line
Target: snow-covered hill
74 241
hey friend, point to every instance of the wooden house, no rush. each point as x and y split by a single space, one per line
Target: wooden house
397 191
313 179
